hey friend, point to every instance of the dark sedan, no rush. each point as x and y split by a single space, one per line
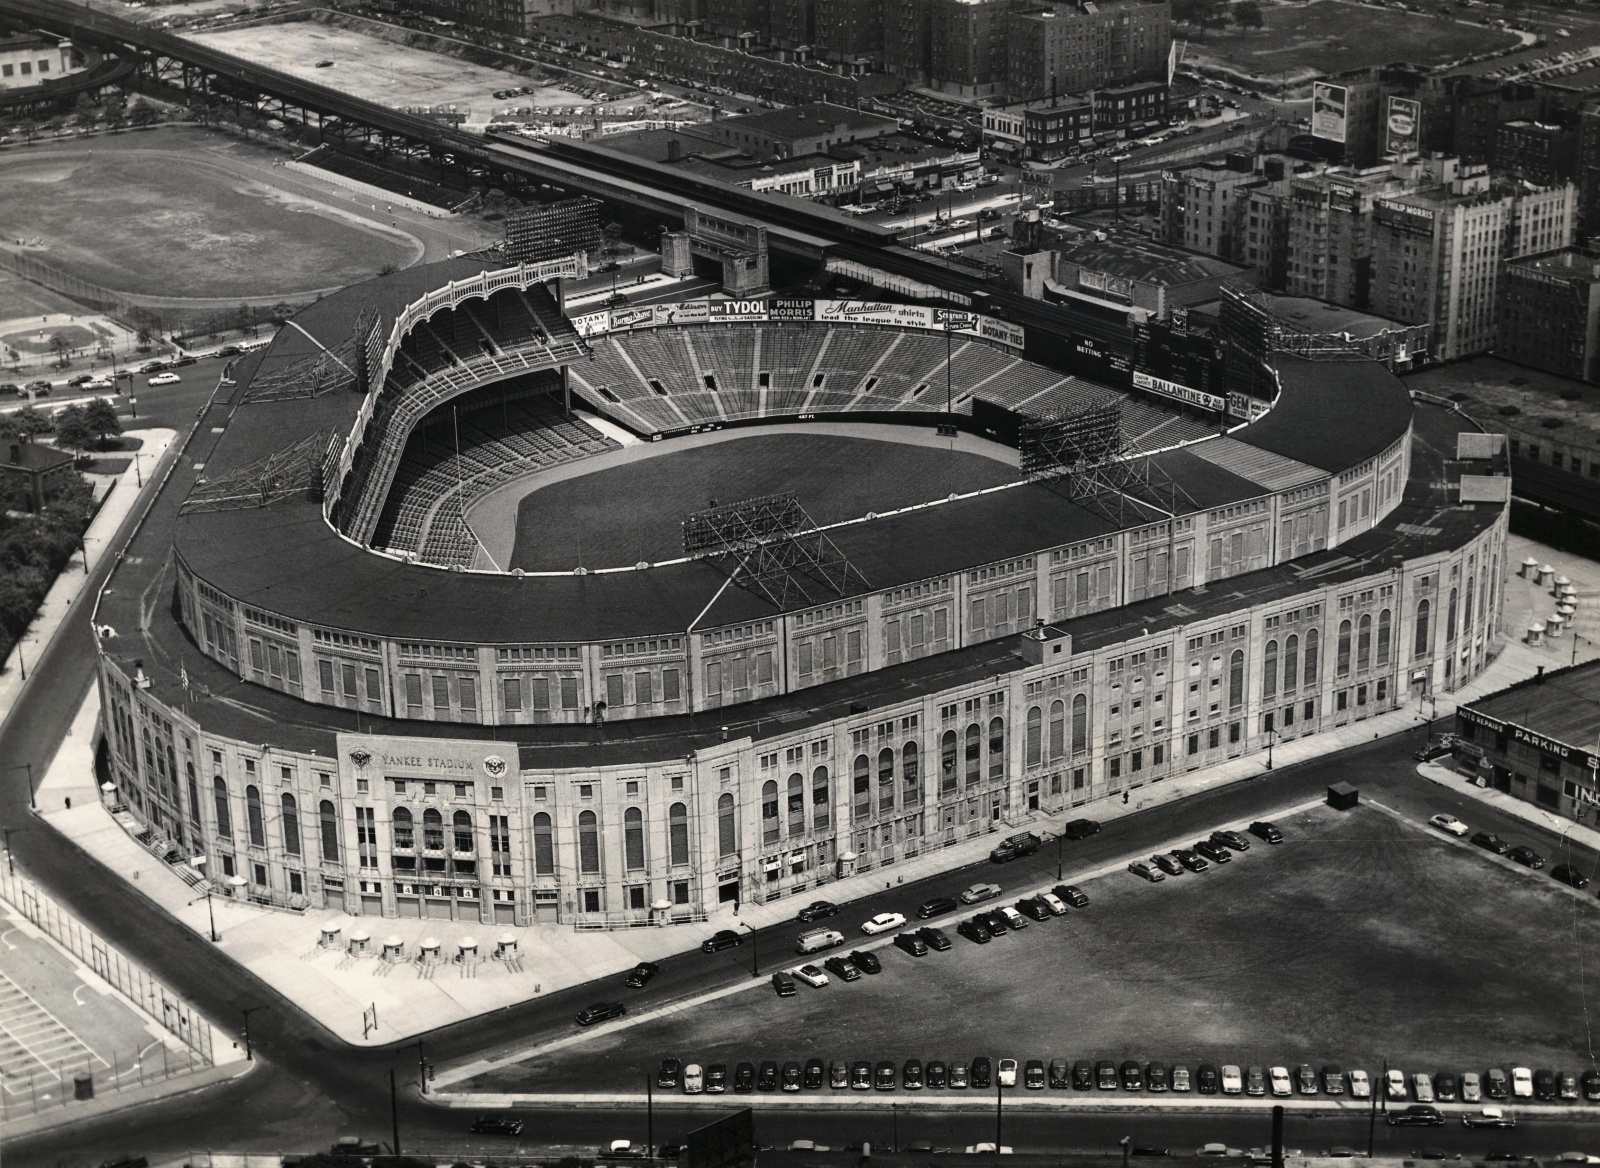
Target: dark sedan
1231 839
641 974
936 939
866 961
912 944
1132 1076
815 1075
767 1076
1032 906
496 1125
1082 1075
1206 1080
1072 894
1216 853
1191 860
1168 864
974 930
937 1073
817 910
1417 1115
994 922
1526 856
1078 829
982 1072
1569 875
1491 842
744 1078
1269 832
884 1078
936 907
721 939
842 969
1105 1075
670 1074
911 1075
600 1012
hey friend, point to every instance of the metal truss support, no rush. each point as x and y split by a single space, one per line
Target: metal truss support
302 468
770 546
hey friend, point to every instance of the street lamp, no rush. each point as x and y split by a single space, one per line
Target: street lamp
1272 735
755 957
249 1051
21 766
198 863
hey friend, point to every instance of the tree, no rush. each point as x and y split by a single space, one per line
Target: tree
25 423
101 418
1202 14
387 269
282 312
73 431
143 338
62 348
1247 14
242 316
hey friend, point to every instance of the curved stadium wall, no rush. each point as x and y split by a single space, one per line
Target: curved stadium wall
1332 573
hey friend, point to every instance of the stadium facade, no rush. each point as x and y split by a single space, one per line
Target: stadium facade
304 683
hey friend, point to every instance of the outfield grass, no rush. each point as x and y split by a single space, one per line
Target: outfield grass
619 516
146 223
1330 36
1360 938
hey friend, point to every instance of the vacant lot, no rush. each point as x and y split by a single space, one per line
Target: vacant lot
634 512
158 215
1331 37
1359 938
373 69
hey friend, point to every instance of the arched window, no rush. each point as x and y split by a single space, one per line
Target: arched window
633 839
224 819
544 846
886 779
432 830
769 811
1342 660
947 763
1291 663
1424 643
1364 642
997 748
797 805
330 831
678 834
727 836
861 785
461 828
1313 670
1058 730
1450 618
1385 621
588 842
1236 679
405 835
909 775
1033 738
1466 609
1080 724
252 812
291 825
974 753
821 801
1269 672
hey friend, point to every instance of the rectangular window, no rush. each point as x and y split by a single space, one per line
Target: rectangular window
348 676
374 686
764 668
713 679
669 684
441 693
414 695
643 690
512 687
569 693
614 694
325 676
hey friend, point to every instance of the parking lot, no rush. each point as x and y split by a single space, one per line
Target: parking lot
1360 938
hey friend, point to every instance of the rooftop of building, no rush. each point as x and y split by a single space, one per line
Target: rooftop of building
1485 387
32 456
1062 101
1563 705
1317 316
708 157
16 41
1149 262
817 117
1569 263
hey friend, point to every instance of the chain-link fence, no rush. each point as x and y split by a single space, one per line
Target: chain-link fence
166 1008
43 1084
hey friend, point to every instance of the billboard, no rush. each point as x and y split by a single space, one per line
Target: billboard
824 311
1402 129
728 1142
1330 105
874 312
1177 391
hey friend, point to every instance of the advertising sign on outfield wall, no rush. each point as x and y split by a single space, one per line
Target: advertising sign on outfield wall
592 324
1330 105
1177 392
875 312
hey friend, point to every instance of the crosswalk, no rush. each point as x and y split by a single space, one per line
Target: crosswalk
34 1044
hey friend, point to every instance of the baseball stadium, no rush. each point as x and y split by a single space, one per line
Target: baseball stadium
643 612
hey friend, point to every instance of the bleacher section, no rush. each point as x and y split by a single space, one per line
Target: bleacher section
382 177
504 430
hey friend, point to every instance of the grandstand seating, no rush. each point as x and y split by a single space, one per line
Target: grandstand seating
466 447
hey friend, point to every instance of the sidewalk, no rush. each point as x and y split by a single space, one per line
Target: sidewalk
61 602
409 998
1520 808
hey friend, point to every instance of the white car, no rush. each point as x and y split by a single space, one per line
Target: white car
812 976
1278 1077
1014 919
1422 1087
694 1079
98 383
883 923
164 379
1232 1080
1054 903
980 892
1394 1084
1008 1072
1450 824
1360 1085
1521 1083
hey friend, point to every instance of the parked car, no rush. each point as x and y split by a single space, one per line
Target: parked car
911 1075
783 984
1083 1075
1332 1081
1207 1080
1181 1080
883 923
1471 1087
936 1074
960 1076
1033 1075
1526 856
980 892
812 976
1214 852
1015 921
1394 1084
1422 1087
694 1079
1007 1072
1446 1087
1072 894
1191 859
1279 1082
1035 908
1232 1080
912 944
1305 1079
842 969
817 910
1544 1086
1145 871
641 974
767 1076
866 961
975 930
861 1075
997 924
496 1125
1014 847
1495 1084
1255 1081
838 1075
1077 829
1231 839
600 1012
669 1073
1105 1075
1450 824
1060 1074
716 1078
1491 842
1158 1078
721 939
936 939
982 1070
1590 1084
1169 865
816 1074
1268 832
1569 875
938 906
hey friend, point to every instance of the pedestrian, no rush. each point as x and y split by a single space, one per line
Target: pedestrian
1124 797
69 802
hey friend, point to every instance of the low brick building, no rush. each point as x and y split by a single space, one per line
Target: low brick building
33 475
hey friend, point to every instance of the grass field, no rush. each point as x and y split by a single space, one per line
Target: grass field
1360 938
1330 36
373 69
619 516
145 222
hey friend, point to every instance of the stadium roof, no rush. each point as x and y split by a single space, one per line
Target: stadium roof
1331 414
